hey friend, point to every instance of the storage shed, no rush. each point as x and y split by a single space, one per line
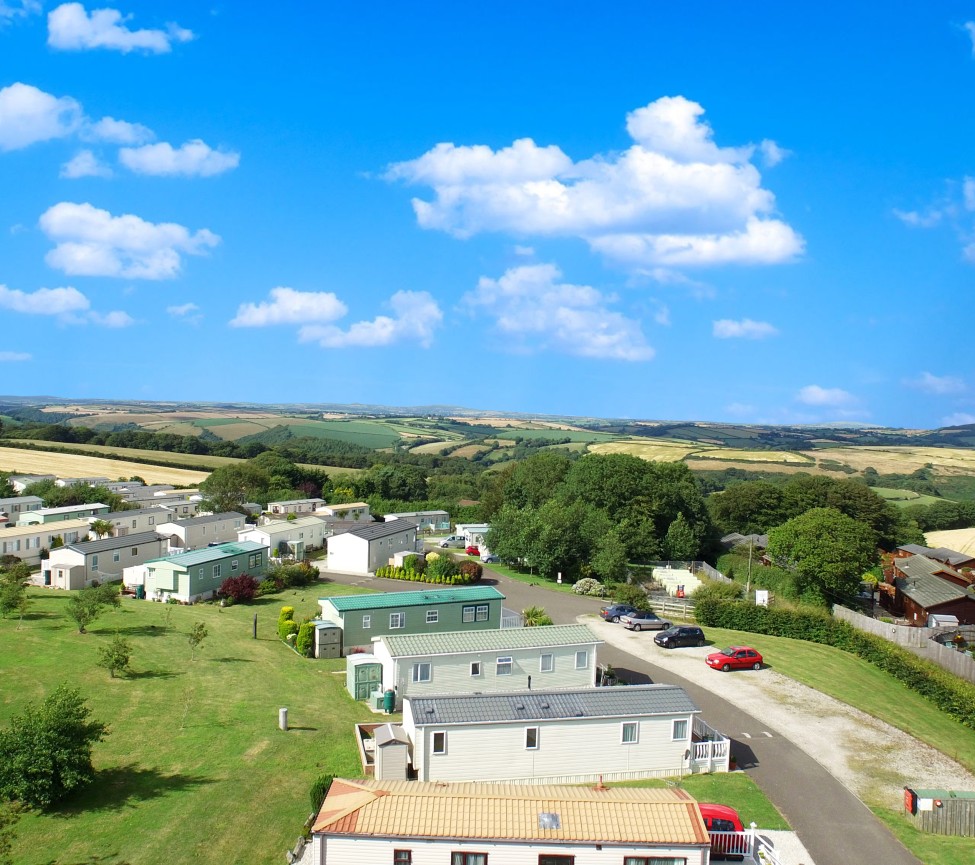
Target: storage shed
392 753
328 640
941 812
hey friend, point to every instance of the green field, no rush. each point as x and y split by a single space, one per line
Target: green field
194 768
903 498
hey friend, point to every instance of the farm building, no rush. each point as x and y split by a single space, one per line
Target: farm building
641 731
472 824
189 534
362 617
138 520
469 824
77 565
12 508
365 548
500 659
924 587
952 558
294 506
26 542
432 521
197 575
288 538
43 516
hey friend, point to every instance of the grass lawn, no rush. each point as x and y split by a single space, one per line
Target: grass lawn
735 789
194 768
528 579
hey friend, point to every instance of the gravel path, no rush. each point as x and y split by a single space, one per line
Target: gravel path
870 758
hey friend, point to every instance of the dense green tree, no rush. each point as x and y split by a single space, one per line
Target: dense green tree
748 508
680 543
45 753
826 550
13 589
533 481
610 557
9 816
404 482
228 487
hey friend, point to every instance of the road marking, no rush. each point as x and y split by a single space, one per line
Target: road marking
766 733
747 735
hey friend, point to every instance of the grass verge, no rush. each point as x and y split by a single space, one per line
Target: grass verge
194 768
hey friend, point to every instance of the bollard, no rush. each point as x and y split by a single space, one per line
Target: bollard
283 719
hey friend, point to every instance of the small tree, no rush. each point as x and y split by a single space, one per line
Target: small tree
102 528
45 753
115 657
84 608
631 594
198 633
535 617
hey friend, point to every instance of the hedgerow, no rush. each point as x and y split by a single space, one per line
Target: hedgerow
950 694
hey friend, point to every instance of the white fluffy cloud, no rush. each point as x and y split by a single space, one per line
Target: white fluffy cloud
194 158
813 394
416 316
29 115
673 198
182 310
13 356
288 306
531 304
44 301
84 164
937 384
727 328
92 242
114 319
772 154
71 28
118 132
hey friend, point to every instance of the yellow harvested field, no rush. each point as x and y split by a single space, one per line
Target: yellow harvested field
959 540
467 451
788 457
901 460
430 447
77 465
234 431
712 465
654 450
502 422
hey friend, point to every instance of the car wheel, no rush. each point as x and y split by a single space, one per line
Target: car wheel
615 620
756 666
636 627
726 668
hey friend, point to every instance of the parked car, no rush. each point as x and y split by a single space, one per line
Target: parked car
448 543
735 658
613 612
719 819
490 559
680 635
644 620
472 550
452 538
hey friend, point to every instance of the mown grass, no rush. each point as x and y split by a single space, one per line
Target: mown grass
194 768
734 789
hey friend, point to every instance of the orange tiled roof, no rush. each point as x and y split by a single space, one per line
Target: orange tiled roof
510 812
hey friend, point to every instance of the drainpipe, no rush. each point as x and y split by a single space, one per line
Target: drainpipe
529 683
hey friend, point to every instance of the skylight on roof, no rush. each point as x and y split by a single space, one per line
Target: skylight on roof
548 820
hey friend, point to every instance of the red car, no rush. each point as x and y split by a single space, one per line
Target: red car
472 551
735 658
720 819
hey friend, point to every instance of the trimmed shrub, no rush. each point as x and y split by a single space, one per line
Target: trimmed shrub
952 695
305 641
472 570
718 590
319 790
286 623
267 587
633 595
417 564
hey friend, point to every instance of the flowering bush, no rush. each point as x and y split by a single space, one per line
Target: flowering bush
589 586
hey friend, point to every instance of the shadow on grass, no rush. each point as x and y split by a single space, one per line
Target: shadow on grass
309 729
127 785
232 660
133 630
153 674
109 859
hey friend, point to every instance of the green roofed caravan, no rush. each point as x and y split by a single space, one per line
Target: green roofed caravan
362 617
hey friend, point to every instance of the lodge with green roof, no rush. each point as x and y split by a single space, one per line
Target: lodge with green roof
500 659
197 575
363 617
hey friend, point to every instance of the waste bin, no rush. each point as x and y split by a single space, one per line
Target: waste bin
140 592
389 701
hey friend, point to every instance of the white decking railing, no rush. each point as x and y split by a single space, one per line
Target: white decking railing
710 751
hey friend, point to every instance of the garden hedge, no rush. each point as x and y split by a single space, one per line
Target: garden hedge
952 695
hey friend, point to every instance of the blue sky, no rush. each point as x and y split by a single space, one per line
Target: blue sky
672 211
